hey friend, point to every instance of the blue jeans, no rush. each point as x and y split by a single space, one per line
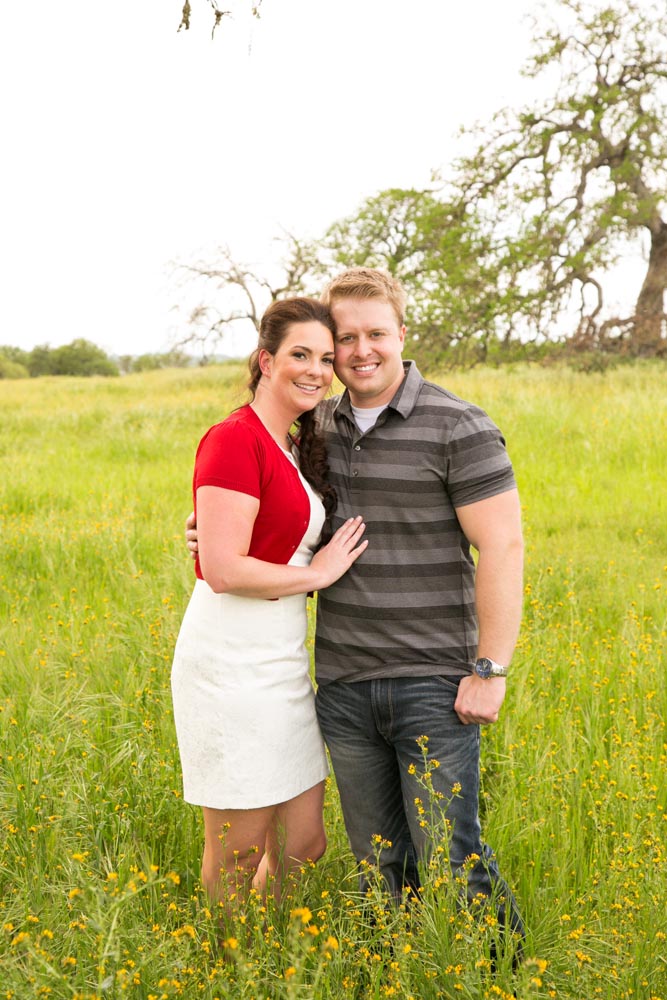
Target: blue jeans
371 729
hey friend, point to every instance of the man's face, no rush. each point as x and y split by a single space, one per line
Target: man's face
369 345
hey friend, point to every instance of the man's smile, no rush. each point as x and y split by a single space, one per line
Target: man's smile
368 367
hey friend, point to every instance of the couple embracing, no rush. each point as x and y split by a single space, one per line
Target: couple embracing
375 503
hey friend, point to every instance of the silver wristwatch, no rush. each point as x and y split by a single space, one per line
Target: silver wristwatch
489 668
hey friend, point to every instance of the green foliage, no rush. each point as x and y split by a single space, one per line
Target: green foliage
39 361
565 186
99 857
434 249
151 362
510 248
15 354
80 357
12 363
525 226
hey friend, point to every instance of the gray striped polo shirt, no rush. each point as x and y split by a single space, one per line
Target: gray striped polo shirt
407 606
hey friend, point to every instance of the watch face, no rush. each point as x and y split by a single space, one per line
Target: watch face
483 667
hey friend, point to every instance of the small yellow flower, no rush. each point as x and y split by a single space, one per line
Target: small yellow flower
185 929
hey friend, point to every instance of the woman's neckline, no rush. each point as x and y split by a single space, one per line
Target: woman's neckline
286 451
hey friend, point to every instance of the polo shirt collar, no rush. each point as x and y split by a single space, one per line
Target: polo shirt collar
404 398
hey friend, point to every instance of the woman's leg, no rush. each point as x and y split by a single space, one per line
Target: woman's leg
244 846
234 842
295 835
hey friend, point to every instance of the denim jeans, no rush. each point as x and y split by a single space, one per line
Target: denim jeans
371 729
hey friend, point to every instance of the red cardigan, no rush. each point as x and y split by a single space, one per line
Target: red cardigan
240 454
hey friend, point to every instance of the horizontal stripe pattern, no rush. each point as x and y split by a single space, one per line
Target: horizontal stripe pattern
407 606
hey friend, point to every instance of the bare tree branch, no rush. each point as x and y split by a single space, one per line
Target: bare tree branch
218 14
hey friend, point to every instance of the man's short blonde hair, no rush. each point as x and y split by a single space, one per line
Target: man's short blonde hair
367 283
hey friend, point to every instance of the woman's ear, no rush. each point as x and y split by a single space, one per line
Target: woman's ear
265 361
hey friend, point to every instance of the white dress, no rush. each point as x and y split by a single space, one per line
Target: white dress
244 704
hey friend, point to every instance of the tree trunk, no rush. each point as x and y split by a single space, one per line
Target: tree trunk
647 335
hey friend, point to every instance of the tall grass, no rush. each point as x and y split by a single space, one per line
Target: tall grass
99 858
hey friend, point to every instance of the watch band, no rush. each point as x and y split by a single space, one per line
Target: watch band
485 667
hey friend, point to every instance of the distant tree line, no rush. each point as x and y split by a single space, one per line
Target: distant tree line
82 358
151 362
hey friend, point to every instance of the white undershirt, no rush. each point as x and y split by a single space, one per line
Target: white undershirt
366 416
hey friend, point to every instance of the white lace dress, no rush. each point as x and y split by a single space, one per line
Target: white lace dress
244 704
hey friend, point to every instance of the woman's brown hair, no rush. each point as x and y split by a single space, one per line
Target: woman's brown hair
273 328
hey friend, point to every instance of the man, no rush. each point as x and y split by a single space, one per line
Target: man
414 641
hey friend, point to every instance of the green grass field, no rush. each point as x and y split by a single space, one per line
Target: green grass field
99 856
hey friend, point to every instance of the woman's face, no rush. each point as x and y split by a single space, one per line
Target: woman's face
301 370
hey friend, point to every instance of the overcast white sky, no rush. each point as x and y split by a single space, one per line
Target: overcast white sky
127 145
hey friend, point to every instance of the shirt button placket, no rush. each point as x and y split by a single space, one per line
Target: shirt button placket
355 468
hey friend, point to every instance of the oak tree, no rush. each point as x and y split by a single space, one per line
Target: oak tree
567 186
440 256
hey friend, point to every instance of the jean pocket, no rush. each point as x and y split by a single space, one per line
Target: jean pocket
449 683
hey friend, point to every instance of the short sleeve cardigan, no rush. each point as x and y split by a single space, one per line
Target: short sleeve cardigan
240 454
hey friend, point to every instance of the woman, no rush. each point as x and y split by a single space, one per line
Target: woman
251 750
